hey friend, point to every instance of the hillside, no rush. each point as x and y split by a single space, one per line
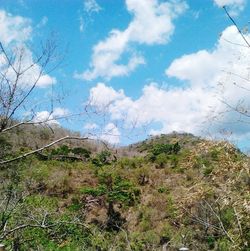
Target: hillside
168 191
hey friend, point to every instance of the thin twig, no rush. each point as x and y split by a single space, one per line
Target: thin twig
242 35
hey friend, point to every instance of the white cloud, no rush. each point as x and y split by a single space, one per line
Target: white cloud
102 96
211 76
159 105
152 23
90 126
51 118
224 71
111 134
60 112
45 81
207 68
235 6
91 6
15 31
14 28
30 75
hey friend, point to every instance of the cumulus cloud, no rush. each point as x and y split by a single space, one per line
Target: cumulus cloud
223 71
50 118
45 81
152 23
15 31
102 96
207 68
159 105
221 74
235 6
30 75
111 134
14 28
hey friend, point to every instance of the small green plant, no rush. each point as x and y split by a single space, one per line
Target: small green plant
101 159
161 160
163 190
208 170
215 154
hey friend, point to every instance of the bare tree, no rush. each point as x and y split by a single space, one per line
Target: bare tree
22 71
20 74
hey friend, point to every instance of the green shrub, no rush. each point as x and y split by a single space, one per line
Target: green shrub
161 160
116 189
101 159
163 190
227 217
208 170
62 150
166 148
81 151
223 245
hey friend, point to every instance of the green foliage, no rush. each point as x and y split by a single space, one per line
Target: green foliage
123 191
62 150
201 161
98 191
116 189
166 148
223 244
166 233
38 201
208 170
131 163
227 217
146 240
160 153
164 210
65 150
215 154
174 160
75 204
211 242
101 159
81 151
161 160
171 209
163 190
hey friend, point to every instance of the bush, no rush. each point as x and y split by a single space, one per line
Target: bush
103 158
163 150
81 151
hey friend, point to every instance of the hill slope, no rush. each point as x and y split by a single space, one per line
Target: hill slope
172 190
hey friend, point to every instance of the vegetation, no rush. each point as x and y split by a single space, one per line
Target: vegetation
175 190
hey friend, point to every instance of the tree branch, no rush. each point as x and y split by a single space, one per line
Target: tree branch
41 148
242 35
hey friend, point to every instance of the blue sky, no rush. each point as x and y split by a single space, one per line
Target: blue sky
143 66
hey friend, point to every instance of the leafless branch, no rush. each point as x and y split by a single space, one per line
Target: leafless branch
220 221
235 24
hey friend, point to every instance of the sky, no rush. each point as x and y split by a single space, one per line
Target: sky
134 68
